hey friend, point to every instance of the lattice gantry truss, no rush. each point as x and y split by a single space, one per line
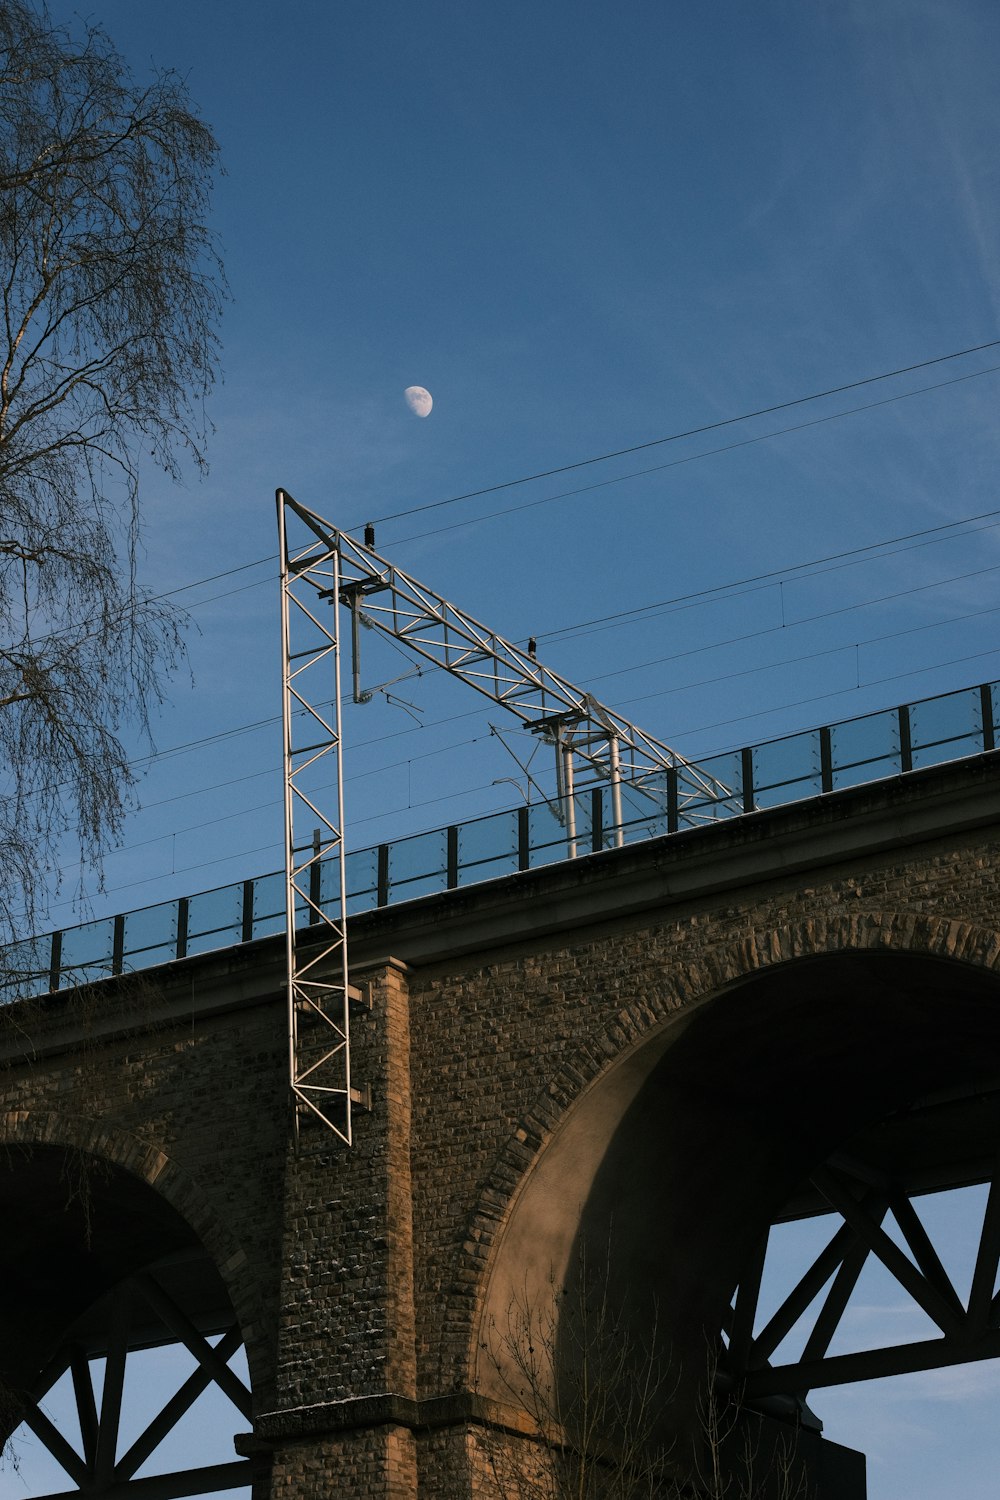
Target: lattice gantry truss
319 992
322 570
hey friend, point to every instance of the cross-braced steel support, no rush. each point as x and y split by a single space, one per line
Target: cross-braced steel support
968 1328
96 1467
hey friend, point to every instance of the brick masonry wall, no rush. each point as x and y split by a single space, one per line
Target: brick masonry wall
359 1277
523 1035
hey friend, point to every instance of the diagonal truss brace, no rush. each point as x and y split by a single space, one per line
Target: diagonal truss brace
967 1330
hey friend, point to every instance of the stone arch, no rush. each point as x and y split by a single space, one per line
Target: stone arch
563 1144
64 1166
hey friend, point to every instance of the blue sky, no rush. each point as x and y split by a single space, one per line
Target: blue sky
581 233
583 229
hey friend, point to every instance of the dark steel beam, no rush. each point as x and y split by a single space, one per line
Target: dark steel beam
871 1364
795 1304
86 1403
184 1330
53 1440
924 1253
835 1303
173 1410
177 1486
745 1311
985 1274
934 1305
111 1394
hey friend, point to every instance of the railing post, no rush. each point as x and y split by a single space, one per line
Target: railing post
905 743
55 961
826 758
523 839
382 877
673 801
989 728
596 819
118 944
452 856
247 924
315 879
746 763
182 927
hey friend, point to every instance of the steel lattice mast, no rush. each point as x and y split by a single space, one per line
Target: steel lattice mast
319 992
591 743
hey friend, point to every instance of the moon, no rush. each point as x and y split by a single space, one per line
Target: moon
418 400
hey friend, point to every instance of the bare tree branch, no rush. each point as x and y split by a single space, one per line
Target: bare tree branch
111 292
594 1410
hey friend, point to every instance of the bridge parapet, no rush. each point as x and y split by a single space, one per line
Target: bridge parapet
809 763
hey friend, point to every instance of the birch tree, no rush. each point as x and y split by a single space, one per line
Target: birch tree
111 294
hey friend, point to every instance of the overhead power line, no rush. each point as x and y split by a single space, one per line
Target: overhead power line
715 593
676 437
692 458
623 478
721 592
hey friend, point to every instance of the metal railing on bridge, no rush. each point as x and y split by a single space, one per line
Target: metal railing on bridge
795 767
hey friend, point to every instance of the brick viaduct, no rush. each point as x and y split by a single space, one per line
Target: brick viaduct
652 1045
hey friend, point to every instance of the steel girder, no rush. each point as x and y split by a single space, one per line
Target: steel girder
138 1313
860 1198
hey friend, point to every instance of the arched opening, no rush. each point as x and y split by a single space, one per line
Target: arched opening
101 1280
844 1081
